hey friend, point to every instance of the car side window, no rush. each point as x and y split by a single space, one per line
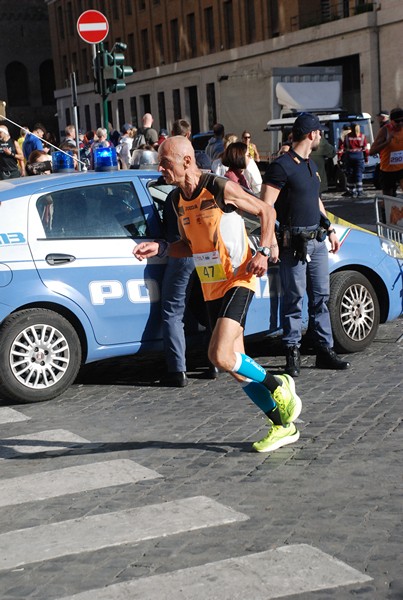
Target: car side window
159 191
109 210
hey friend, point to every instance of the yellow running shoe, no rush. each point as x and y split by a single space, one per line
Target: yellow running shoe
289 404
278 436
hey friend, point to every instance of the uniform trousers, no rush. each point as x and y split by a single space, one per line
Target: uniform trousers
298 278
355 166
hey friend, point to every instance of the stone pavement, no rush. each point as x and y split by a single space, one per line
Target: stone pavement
156 489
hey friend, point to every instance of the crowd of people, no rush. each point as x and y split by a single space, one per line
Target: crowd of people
134 148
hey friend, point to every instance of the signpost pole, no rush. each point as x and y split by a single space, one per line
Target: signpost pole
75 113
103 91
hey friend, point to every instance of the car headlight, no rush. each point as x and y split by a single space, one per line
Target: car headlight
393 249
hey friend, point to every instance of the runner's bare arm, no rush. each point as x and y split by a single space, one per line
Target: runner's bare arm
381 141
177 249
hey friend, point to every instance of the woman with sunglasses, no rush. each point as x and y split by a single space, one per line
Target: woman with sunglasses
252 150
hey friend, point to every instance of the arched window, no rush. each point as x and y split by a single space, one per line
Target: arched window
47 82
17 84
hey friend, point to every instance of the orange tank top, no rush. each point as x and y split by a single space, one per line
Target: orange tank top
217 237
392 154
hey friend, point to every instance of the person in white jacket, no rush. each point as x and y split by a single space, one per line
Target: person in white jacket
253 176
123 149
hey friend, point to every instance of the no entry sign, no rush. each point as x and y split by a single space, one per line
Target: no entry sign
92 26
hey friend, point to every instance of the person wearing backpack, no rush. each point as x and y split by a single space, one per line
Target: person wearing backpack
146 134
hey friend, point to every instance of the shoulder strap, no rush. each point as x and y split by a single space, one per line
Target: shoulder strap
175 200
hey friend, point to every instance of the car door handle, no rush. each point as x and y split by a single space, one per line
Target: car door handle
59 259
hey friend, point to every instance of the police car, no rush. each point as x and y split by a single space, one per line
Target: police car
71 292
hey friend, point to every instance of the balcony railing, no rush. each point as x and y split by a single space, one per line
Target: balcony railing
341 10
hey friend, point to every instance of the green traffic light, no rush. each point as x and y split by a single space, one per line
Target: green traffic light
109 71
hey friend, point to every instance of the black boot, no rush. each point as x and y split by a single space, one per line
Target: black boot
174 379
211 373
327 358
293 358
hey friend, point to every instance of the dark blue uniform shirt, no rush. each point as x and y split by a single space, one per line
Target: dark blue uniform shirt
298 180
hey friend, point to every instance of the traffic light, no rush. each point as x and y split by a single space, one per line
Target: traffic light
109 70
121 71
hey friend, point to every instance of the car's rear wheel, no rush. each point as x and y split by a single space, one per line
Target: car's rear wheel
354 311
40 355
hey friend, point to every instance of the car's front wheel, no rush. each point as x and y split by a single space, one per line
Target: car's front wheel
40 355
354 311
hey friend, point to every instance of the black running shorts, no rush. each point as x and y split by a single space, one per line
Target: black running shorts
234 305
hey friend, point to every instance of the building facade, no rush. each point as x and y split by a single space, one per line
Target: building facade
27 85
213 60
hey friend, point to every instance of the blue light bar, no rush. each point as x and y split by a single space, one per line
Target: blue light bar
62 163
105 159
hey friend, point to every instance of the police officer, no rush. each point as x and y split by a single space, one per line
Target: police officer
292 183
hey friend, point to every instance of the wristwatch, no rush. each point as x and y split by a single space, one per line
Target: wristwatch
263 250
330 231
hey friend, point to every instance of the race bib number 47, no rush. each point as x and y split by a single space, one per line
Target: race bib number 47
209 267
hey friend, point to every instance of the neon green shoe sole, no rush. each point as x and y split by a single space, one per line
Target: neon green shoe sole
289 404
276 438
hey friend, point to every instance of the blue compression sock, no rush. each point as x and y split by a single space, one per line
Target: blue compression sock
246 366
260 395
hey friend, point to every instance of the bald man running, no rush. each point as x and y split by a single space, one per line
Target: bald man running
213 232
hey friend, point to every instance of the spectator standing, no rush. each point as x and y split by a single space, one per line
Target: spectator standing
101 142
235 159
146 134
216 166
70 137
49 142
114 135
23 132
39 163
389 145
252 150
162 136
10 155
291 185
85 151
323 151
215 145
33 141
123 149
355 152
213 231
182 127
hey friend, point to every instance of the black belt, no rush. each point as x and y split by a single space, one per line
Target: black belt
308 233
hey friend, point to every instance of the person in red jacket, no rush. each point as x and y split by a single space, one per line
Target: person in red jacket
355 152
